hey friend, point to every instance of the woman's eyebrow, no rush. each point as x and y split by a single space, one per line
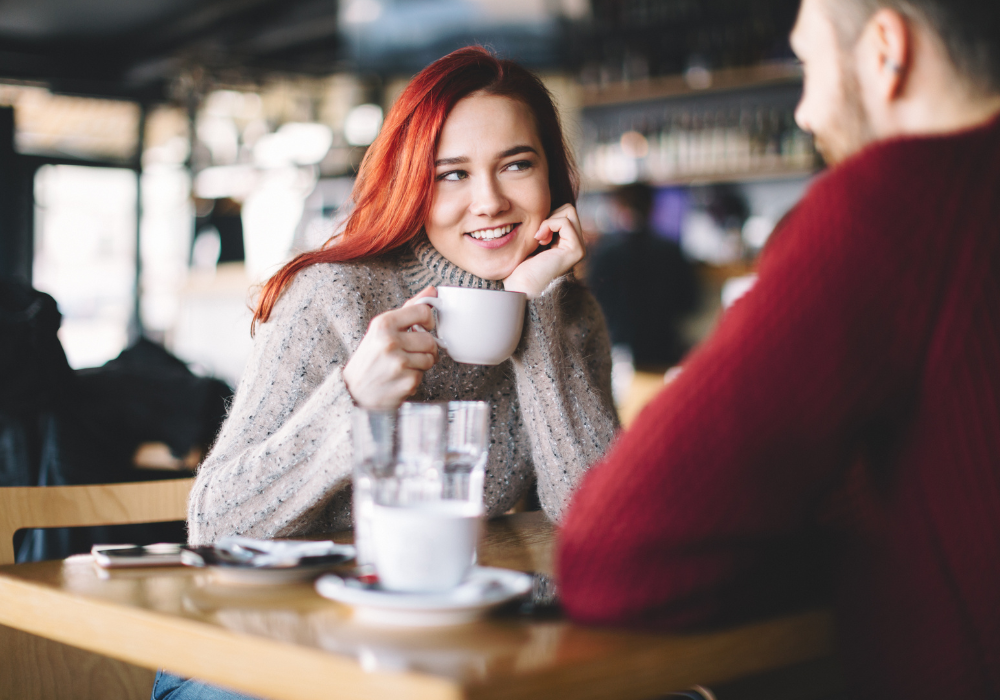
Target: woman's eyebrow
518 149
457 160
451 161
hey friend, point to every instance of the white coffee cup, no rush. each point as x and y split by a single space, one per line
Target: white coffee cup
478 326
425 547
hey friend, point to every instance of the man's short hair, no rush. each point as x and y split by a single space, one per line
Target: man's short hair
969 30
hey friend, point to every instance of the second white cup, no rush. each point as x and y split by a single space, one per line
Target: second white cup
425 547
478 326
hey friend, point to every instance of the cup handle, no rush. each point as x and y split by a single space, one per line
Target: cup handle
434 303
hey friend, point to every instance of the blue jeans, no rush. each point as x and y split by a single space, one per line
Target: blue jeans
170 687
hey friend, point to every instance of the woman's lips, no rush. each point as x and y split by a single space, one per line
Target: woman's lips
495 242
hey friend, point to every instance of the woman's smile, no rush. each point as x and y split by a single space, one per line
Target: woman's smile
496 237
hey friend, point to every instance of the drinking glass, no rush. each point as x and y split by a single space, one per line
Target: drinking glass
423 492
374 439
421 439
468 448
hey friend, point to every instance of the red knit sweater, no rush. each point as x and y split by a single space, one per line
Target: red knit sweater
846 411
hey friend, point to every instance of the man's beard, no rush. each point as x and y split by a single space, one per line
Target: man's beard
853 129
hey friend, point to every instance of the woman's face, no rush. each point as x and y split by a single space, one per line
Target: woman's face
491 186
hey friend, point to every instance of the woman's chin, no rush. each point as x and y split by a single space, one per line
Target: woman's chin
492 270
492 265
492 275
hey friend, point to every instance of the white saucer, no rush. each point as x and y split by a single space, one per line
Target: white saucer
485 587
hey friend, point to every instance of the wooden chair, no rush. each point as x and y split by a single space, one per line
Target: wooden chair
98 504
35 668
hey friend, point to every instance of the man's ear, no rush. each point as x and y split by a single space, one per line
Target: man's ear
885 47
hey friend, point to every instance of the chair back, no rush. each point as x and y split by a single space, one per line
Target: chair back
96 504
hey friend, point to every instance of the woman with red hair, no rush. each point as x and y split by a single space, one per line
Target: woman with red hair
469 184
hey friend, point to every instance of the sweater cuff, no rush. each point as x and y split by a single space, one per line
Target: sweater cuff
542 320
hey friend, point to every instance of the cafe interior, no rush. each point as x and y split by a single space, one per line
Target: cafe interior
160 160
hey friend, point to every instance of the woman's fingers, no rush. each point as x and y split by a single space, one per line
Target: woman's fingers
405 316
401 344
420 343
421 361
413 351
536 272
568 249
566 222
390 361
561 225
544 233
569 228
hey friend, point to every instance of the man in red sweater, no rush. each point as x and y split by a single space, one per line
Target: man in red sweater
843 422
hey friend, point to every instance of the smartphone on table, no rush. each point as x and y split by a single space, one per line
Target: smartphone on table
114 556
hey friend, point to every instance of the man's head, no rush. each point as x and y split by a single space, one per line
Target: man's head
881 68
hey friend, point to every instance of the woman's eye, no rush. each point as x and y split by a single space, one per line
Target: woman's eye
453 175
519 166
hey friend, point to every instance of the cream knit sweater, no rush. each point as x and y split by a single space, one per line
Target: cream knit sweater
282 462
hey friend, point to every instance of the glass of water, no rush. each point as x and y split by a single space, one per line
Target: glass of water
468 448
421 438
399 459
374 440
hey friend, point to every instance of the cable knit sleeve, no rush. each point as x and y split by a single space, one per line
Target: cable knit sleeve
562 372
282 459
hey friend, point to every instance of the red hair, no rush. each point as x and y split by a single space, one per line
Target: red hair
393 191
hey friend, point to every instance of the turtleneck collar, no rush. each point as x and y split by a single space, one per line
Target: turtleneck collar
429 268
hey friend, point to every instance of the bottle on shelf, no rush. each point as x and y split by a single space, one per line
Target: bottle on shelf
688 143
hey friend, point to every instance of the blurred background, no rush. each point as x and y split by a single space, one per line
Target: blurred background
159 159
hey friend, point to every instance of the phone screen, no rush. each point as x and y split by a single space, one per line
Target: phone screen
112 556
151 550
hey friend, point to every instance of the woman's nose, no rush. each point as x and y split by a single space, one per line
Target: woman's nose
488 198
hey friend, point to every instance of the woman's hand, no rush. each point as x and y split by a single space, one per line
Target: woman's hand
535 273
390 362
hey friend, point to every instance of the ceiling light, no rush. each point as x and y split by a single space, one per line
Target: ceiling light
362 124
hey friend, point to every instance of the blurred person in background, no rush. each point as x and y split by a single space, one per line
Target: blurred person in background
643 282
842 425
223 217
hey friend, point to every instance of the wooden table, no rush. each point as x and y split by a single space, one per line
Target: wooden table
289 643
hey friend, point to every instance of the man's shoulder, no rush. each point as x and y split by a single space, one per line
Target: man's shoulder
885 182
891 198
906 171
